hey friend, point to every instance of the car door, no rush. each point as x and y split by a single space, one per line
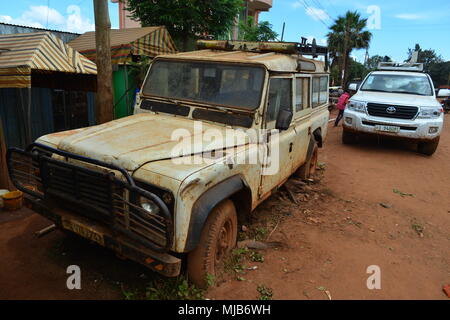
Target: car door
278 147
302 119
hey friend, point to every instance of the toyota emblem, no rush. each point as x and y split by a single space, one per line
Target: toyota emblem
391 110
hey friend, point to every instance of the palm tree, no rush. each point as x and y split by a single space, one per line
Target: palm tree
347 33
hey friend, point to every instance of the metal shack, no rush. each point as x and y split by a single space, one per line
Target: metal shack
128 47
45 87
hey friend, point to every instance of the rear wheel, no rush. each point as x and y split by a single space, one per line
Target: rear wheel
308 170
217 240
349 137
428 148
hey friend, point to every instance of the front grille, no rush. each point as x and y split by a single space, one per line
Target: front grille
401 112
98 194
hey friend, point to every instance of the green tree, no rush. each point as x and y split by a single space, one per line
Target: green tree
440 73
347 33
250 31
427 57
374 61
187 20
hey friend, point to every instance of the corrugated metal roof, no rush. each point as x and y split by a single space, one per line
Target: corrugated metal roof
119 37
38 51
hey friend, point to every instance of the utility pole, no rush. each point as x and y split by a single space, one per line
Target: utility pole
104 98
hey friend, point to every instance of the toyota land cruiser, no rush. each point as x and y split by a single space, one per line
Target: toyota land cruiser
397 101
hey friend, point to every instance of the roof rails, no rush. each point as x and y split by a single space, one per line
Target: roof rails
279 47
400 66
303 48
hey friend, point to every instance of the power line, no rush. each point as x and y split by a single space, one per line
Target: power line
319 4
309 10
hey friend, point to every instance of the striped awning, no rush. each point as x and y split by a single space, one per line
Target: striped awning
42 51
148 41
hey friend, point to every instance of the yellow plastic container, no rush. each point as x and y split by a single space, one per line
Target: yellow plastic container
13 200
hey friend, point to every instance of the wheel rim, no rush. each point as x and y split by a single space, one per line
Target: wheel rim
313 163
224 241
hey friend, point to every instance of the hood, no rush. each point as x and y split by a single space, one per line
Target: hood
396 99
136 140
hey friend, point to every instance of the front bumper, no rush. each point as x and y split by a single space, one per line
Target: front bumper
162 263
418 129
78 193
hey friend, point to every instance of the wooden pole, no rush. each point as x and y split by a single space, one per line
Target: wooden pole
104 98
5 183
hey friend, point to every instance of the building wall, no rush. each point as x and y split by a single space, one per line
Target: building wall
125 22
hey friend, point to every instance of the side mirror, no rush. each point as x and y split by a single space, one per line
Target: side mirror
443 93
284 120
353 87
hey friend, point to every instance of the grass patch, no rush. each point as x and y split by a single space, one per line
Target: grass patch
265 293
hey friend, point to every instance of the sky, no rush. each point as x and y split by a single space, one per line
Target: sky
396 24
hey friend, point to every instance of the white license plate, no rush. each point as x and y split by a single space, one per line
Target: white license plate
391 129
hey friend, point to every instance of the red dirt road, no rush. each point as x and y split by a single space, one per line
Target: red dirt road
336 231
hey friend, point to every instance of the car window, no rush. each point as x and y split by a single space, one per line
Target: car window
323 98
301 94
280 97
320 91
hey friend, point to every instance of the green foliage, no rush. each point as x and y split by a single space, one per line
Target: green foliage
346 34
250 31
438 69
372 62
265 293
173 289
187 20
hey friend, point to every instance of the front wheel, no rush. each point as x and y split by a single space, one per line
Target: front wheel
217 240
428 148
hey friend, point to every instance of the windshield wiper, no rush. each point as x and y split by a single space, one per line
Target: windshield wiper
409 92
375 90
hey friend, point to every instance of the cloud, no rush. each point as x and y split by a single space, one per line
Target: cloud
410 16
75 22
42 14
38 16
315 13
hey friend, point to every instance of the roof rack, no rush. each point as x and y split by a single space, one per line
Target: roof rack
311 49
303 48
400 66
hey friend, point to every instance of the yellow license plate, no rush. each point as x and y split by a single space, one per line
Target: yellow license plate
83 231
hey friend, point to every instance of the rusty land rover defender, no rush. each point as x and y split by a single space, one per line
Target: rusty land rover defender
175 177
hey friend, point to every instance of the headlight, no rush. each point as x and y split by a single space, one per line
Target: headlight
357 106
430 113
149 206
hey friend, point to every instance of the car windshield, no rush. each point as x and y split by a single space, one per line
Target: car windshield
211 83
407 84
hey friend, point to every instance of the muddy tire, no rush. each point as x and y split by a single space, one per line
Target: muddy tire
308 170
349 137
428 148
217 240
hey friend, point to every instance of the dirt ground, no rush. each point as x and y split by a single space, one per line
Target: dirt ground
376 203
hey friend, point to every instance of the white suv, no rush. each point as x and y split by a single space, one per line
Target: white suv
398 100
